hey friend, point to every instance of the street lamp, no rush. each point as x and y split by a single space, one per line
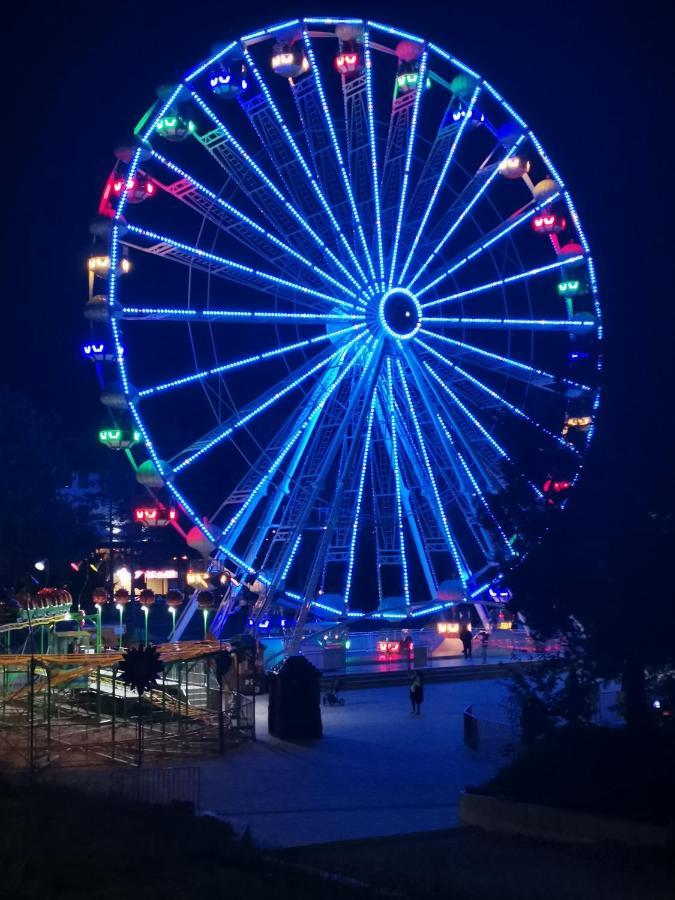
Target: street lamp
146 598
205 603
100 598
174 599
121 600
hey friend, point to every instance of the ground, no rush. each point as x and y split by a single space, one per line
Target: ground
377 770
467 864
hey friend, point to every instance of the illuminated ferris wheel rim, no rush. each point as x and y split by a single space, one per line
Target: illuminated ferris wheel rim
382 310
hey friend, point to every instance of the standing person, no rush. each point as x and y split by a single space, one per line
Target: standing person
407 650
416 694
466 638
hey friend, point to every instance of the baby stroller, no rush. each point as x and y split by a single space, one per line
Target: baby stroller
331 698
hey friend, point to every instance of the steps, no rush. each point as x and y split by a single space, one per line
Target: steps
352 681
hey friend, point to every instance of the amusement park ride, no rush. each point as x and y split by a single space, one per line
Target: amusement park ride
342 303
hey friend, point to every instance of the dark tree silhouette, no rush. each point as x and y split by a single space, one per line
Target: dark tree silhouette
34 521
606 563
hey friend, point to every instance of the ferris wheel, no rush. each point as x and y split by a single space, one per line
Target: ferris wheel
354 316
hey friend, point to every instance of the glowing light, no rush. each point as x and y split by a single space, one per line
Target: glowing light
463 574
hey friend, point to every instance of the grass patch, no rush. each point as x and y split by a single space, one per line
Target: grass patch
61 844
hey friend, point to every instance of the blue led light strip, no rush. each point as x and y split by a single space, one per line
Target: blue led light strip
225 433
373 153
270 30
589 261
397 484
495 396
338 153
452 59
242 217
474 484
455 399
229 315
510 279
309 420
465 212
419 91
231 264
512 324
303 164
502 232
359 499
487 354
289 562
463 574
290 208
439 183
209 62
245 361
395 32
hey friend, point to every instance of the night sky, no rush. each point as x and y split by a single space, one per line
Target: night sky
589 79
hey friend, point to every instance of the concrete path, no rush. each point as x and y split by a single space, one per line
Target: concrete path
377 770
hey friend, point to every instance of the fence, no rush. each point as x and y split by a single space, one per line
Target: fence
492 730
87 717
157 785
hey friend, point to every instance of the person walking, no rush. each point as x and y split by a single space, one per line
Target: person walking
466 638
416 694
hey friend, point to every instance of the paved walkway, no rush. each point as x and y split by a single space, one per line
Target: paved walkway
377 770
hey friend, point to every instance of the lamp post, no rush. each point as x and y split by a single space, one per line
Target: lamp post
100 598
121 600
205 603
174 599
145 613
146 598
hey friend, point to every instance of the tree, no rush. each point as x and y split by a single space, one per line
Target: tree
606 564
34 521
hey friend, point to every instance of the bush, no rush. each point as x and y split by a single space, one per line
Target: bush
608 771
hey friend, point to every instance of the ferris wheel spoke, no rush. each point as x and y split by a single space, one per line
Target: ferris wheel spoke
300 433
308 174
480 246
447 462
222 432
419 91
359 499
465 376
495 362
397 483
490 440
228 269
439 183
316 75
463 206
221 144
500 282
573 326
330 383
344 414
236 223
180 314
452 546
246 361
476 487
373 152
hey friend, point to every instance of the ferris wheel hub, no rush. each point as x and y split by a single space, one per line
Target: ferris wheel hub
399 314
